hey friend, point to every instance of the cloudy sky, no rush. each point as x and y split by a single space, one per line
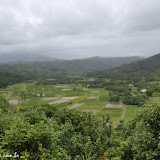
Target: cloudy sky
80 28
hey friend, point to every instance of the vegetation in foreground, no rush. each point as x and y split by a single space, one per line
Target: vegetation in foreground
45 132
36 130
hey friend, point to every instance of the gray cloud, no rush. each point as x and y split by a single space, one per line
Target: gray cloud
80 28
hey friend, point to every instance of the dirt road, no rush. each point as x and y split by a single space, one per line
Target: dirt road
124 112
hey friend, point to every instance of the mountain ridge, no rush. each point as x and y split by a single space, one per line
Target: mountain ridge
69 66
143 68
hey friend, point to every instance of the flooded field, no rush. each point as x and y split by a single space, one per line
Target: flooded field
61 86
23 100
113 105
75 105
92 97
85 89
49 98
69 98
4 94
58 101
14 101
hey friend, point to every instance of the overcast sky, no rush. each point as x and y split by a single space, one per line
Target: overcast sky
80 28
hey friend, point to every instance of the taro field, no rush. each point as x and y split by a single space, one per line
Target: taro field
69 96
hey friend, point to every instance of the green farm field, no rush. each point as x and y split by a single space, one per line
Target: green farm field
100 98
130 112
115 113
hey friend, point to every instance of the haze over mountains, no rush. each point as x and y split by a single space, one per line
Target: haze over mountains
41 65
7 58
147 67
13 58
117 68
151 64
52 66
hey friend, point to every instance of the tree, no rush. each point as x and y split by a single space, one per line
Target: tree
114 98
140 139
4 104
149 93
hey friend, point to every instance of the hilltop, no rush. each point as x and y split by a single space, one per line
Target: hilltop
67 67
20 71
149 65
147 68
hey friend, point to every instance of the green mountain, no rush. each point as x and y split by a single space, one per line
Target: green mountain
21 71
67 66
147 68
149 65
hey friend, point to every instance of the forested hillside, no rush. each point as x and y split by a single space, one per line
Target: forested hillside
21 71
147 68
8 78
148 65
69 66
58 116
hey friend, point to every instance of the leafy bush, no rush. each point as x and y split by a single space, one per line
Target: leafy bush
46 132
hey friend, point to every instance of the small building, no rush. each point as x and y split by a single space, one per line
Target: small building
143 90
131 85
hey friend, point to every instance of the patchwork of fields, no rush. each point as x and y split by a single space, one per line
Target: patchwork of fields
73 97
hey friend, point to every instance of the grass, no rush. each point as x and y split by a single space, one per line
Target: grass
155 99
155 82
107 79
156 94
89 101
7 94
90 107
74 101
134 89
34 101
149 101
19 86
88 104
48 90
16 90
115 113
75 93
130 112
104 98
52 91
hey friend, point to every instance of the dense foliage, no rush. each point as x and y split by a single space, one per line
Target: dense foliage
121 91
47 132
9 78
148 69
140 140
12 73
